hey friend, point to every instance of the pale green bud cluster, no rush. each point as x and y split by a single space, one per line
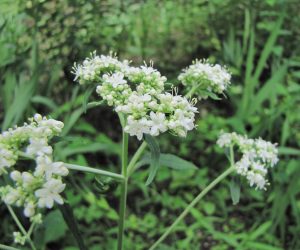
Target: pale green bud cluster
19 238
257 156
138 92
205 79
38 188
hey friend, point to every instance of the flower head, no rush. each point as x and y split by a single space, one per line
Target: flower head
205 79
50 193
29 187
138 93
257 156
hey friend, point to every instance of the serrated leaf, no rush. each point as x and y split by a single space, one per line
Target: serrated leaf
235 190
155 154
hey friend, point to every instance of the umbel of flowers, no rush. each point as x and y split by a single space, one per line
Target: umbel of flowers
138 93
38 188
205 79
257 155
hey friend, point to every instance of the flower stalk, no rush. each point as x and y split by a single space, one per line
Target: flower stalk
191 205
20 226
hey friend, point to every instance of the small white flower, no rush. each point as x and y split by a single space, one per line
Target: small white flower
137 127
16 176
11 196
50 193
257 156
256 179
158 123
27 179
205 77
29 209
115 79
225 140
37 117
38 146
45 167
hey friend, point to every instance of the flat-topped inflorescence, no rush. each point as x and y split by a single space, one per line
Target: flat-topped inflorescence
257 156
138 93
38 188
203 79
92 69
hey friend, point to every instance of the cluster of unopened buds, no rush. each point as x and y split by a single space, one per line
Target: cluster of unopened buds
257 155
38 188
138 93
205 79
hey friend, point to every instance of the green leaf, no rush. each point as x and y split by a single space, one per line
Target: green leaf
168 160
55 226
155 154
175 162
235 190
289 151
86 97
68 215
71 121
44 101
261 230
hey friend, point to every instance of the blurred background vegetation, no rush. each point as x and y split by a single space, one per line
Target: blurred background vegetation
258 40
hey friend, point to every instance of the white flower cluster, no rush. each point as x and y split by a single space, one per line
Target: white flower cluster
32 189
92 68
257 156
205 79
138 92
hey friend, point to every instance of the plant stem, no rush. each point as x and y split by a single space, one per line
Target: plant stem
135 158
123 190
191 205
4 247
20 226
192 91
83 168
95 171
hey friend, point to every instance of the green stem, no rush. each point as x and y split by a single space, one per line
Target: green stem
20 226
192 91
123 191
191 205
95 171
4 247
135 158
30 229
83 168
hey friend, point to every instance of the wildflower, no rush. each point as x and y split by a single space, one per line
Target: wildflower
38 146
29 188
29 210
138 93
45 167
257 156
205 79
50 193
